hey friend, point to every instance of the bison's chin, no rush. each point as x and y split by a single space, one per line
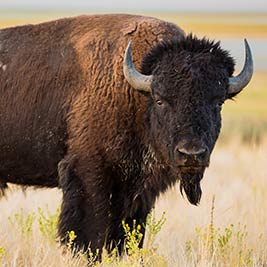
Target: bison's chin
190 184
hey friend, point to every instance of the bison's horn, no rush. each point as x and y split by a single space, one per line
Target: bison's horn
236 84
137 80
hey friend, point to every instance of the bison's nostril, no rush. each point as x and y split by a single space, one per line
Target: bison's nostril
194 151
188 153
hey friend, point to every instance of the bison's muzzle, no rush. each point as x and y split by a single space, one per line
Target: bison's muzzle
190 153
192 156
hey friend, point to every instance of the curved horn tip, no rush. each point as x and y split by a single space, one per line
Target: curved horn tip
236 84
130 44
248 49
246 42
128 51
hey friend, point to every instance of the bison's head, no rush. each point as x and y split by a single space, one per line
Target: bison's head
187 81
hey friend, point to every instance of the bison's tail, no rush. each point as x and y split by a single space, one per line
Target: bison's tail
3 187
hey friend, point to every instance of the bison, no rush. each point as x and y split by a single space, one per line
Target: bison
112 126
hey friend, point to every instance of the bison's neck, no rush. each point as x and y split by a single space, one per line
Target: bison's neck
143 171
150 160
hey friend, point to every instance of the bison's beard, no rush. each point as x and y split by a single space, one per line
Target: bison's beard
190 184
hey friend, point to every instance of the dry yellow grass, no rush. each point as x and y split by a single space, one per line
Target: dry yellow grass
237 179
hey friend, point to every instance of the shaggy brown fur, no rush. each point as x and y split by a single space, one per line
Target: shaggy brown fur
63 93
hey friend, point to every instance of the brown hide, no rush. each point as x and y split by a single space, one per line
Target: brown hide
62 91
68 118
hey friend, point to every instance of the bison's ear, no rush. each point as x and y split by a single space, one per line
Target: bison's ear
239 82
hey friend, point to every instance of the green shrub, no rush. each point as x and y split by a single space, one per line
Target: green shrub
48 223
23 222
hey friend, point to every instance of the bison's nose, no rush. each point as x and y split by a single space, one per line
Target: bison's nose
192 154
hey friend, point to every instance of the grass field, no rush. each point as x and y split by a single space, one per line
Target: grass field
246 116
229 228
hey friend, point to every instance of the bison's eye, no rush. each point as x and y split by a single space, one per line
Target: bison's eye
159 102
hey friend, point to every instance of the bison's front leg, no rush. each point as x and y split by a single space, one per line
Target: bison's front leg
84 208
134 213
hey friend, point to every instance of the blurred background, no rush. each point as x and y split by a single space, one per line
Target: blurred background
228 21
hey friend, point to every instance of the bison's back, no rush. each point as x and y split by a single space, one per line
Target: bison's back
61 84
36 78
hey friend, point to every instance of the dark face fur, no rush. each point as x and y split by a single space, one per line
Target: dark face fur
189 87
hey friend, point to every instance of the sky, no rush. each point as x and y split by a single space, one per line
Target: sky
141 5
